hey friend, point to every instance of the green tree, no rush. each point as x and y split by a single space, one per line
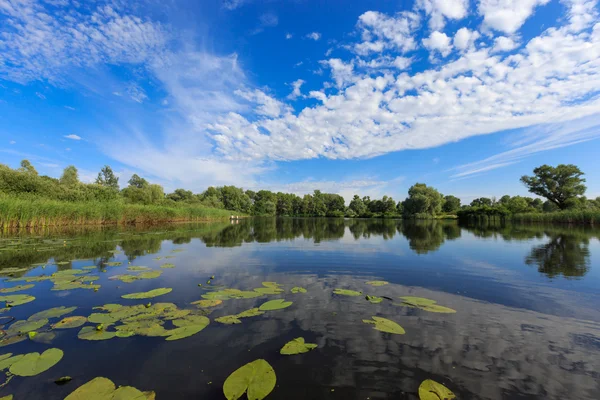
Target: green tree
451 204
107 178
137 181
28 168
388 205
70 176
181 195
423 200
357 206
561 185
481 202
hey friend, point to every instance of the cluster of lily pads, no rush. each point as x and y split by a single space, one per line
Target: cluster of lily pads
257 379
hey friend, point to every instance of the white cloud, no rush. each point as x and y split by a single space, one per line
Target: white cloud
73 137
507 15
440 10
233 4
438 41
341 72
380 32
41 96
297 84
314 36
268 20
68 149
70 108
266 105
288 35
386 62
503 44
136 93
12 142
464 38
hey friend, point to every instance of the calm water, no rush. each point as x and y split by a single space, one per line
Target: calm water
527 299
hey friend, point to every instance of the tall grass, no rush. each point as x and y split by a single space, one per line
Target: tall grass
587 217
19 213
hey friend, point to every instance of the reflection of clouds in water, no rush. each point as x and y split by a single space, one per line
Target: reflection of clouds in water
485 350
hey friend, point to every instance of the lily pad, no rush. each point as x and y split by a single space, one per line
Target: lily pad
228 320
6 360
35 363
147 295
92 333
26 326
374 299
275 305
17 288
297 346
298 289
100 318
346 292
9 397
431 390
253 312
149 274
272 285
7 341
13 300
425 304
52 313
113 264
377 283
168 265
207 303
70 322
268 290
151 328
257 378
138 268
187 327
103 389
43 337
385 325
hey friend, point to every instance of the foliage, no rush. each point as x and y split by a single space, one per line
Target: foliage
385 325
451 204
257 378
297 346
431 390
422 200
102 388
106 177
561 184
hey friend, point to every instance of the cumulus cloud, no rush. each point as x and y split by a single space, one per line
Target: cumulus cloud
314 36
73 137
341 72
297 84
503 44
464 38
440 10
507 15
288 35
438 41
381 32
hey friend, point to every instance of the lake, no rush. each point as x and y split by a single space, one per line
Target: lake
526 326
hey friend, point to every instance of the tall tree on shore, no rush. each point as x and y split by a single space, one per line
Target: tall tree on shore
106 177
27 167
70 176
561 184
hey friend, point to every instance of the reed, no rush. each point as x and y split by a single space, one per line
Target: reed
38 212
584 217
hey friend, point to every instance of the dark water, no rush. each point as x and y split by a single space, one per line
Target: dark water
527 298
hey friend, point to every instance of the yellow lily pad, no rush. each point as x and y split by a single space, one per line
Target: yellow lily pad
297 346
298 289
385 325
346 292
431 390
374 299
377 283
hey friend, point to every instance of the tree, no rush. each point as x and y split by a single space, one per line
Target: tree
482 201
70 176
181 195
107 178
561 185
423 200
451 204
388 205
27 167
357 206
137 181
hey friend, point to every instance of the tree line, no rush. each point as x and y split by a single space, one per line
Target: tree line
562 187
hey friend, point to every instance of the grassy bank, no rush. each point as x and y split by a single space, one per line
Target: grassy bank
20 213
563 217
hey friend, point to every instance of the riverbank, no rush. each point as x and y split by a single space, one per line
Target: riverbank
576 217
33 213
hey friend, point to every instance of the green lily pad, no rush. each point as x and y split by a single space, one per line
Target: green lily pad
70 322
69 272
6 360
99 318
346 292
377 283
26 326
104 389
13 300
268 290
425 304
271 284
52 313
138 268
148 295
207 303
113 264
7 341
168 265
109 307
17 288
89 267
228 320
298 289
35 363
385 325
253 312
374 299
9 397
257 378
62 262
297 346
43 337
74 285
231 294
275 305
92 333
187 327
151 328
431 390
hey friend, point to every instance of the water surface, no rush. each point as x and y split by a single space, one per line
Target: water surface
527 323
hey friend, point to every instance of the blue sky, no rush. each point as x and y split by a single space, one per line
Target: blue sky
348 97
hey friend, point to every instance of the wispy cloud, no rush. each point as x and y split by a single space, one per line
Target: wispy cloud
314 36
268 20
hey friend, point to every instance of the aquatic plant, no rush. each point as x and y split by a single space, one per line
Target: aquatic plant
257 378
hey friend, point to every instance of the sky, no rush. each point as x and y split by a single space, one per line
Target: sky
349 97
